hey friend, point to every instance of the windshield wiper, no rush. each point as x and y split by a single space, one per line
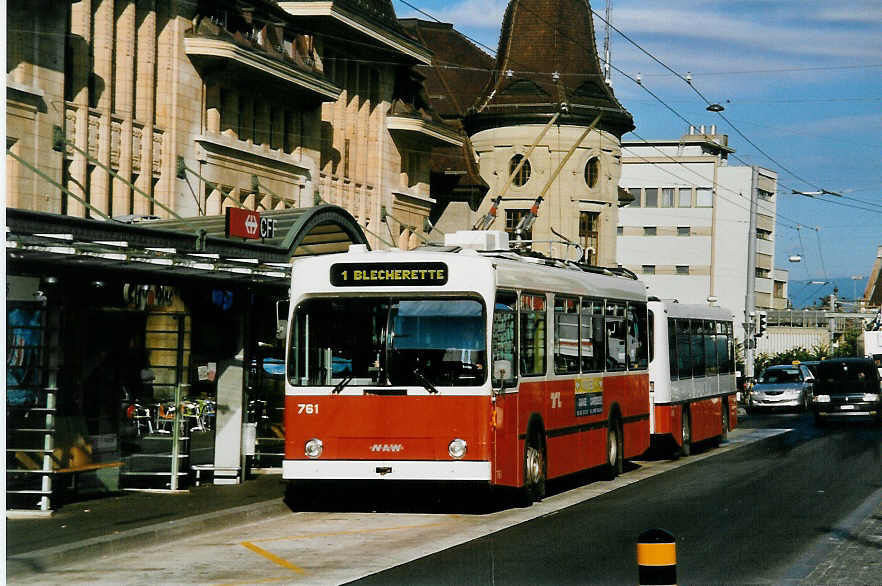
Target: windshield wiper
340 385
426 382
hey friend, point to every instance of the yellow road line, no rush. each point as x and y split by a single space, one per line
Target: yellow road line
356 532
272 557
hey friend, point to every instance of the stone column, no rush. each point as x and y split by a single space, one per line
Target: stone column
102 58
213 109
80 24
145 98
124 104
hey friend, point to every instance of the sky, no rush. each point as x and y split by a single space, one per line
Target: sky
801 84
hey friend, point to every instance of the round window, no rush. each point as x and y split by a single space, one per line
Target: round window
592 171
523 174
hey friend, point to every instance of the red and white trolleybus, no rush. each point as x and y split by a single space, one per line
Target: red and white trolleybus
691 374
468 362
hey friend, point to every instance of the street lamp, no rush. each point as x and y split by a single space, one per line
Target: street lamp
814 193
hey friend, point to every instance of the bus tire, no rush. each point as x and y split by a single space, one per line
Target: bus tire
615 462
534 468
685 432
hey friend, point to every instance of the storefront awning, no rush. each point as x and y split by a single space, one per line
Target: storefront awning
39 242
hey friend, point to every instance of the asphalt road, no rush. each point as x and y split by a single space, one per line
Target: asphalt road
745 517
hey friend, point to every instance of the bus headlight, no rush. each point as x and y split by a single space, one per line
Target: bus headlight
822 398
457 449
871 397
313 448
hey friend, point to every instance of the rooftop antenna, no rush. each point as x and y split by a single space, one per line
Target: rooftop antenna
606 49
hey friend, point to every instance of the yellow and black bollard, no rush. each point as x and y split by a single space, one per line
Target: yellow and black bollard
657 557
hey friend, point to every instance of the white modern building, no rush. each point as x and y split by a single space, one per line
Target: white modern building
689 233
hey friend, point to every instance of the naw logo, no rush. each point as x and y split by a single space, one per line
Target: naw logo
387 448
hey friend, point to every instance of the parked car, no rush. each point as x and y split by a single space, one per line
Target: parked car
812 365
847 387
785 386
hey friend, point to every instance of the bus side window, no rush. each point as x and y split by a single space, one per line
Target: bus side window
504 340
672 349
637 336
684 349
592 336
566 335
616 334
532 334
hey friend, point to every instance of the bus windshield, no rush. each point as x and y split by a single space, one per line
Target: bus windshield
388 341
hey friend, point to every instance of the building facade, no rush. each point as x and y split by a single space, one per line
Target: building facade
688 231
133 127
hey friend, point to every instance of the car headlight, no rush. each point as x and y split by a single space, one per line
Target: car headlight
871 397
457 449
822 398
313 448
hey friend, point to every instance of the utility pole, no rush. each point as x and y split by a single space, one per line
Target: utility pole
750 296
606 49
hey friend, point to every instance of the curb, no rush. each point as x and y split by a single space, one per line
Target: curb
35 562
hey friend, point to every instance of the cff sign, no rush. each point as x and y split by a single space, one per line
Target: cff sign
248 224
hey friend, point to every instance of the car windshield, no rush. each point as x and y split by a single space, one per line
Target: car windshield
388 341
775 376
854 375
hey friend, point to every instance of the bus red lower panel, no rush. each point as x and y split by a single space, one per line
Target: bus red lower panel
390 428
705 418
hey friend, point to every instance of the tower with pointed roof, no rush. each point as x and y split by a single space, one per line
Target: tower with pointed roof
546 69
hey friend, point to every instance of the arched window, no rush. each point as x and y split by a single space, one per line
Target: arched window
592 171
524 174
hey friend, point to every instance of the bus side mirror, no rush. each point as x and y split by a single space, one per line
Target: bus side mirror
502 372
281 318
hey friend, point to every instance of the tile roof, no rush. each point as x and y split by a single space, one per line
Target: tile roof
547 57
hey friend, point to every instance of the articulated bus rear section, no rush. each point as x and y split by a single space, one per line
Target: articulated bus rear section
464 365
692 375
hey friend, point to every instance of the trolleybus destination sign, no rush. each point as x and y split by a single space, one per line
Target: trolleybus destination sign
419 274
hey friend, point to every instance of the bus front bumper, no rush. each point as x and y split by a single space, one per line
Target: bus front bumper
385 470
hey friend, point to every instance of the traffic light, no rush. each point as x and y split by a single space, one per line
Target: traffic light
763 322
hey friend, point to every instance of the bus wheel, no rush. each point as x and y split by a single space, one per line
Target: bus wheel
534 470
614 450
685 433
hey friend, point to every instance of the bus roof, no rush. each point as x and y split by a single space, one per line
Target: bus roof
692 310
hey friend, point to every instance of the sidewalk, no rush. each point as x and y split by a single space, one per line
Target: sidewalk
115 524
135 519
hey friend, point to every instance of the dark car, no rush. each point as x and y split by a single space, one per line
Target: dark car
847 387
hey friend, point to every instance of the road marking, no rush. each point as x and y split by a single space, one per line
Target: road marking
272 557
340 533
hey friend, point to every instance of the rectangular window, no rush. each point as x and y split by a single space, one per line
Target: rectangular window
696 339
650 231
684 231
682 269
532 335
503 343
588 234
684 349
667 197
635 193
722 340
638 352
651 197
616 335
592 336
684 197
620 230
347 143
710 352
566 335
704 197
672 348
512 219
648 269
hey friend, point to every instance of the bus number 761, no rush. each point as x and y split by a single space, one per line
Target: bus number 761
308 408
